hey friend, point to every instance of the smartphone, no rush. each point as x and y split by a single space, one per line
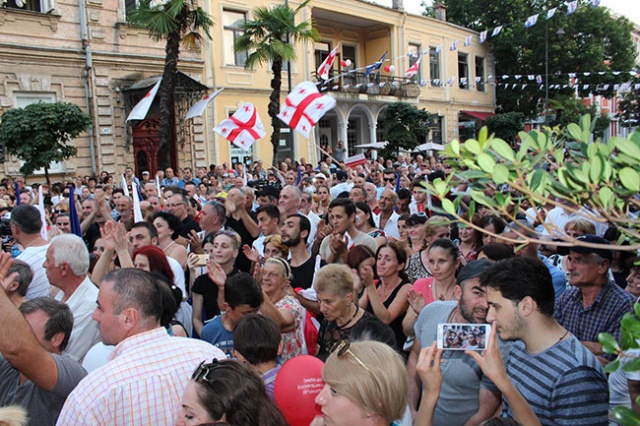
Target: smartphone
202 259
462 337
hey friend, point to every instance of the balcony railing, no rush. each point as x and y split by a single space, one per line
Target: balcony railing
372 84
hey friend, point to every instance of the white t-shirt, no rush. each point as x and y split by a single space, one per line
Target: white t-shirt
35 256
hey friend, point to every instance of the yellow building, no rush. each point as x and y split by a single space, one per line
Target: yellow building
84 52
445 85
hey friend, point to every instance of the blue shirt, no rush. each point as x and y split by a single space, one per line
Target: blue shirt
558 277
215 333
603 315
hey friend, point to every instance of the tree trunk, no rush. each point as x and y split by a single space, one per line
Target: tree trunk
274 107
46 176
167 89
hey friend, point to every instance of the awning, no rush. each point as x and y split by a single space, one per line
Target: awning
482 116
184 84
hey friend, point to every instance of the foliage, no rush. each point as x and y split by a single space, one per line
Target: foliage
405 127
506 126
564 110
267 39
41 133
592 41
559 162
176 21
629 105
630 339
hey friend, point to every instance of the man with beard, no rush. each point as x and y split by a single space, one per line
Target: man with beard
294 233
467 397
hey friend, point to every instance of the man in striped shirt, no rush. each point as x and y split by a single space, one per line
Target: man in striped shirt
558 377
143 383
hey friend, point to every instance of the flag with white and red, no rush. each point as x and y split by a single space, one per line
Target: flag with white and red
139 112
243 128
325 66
413 69
198 108
304 106
355 160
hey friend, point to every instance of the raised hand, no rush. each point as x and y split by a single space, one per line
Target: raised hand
428 368
251 253
195 243
216 273
416 301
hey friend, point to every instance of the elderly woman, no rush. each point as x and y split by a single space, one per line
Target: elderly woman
229 392
334 286
282 307
365 385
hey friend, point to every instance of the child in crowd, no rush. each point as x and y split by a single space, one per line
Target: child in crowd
242 296
258 343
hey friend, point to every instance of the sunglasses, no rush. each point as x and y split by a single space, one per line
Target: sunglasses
201 375
389 179
341 349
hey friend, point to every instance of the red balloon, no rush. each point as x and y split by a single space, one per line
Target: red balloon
298 383
387 68
343 64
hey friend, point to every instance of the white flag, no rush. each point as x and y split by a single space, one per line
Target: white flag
139 112
198 108
243 128
124 186
325 66
137 212
43 228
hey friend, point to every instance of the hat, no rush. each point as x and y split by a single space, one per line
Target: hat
341 175
473 269
145 173
320 176
268 191
589 238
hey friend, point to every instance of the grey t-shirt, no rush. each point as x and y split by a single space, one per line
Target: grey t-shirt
43 407
462 377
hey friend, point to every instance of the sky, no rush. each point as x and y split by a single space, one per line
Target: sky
628 8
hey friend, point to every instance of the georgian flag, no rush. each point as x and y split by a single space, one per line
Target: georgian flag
198 108
483 36
243 128
304 106
139 112
531 21
551 13
496 31
572 6
355 160
325 66
413 69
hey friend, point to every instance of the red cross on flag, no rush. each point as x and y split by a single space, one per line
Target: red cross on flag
413 69
304 107
243 128
325 67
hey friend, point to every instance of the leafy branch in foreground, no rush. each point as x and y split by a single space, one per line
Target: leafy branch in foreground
557 166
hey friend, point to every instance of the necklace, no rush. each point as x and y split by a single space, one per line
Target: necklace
441 296
350 319
563 336
35 240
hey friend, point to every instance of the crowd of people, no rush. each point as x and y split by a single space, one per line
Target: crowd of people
187 314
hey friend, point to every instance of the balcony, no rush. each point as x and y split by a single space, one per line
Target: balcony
373 84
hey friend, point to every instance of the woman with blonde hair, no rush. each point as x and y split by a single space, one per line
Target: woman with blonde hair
435 228
365 385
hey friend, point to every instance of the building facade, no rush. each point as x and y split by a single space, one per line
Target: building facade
84 52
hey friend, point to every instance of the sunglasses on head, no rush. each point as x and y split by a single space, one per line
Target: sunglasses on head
342 348
201 375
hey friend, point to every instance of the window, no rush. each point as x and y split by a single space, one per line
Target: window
434 66
352 136
321 52
42 6
349 53
479 74
413 55
231 21
25 99
463 70
435 126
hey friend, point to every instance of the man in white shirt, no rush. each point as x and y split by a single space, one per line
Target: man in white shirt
67 264
25 226
387 220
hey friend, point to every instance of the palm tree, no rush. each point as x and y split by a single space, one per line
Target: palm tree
266 40
176 21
